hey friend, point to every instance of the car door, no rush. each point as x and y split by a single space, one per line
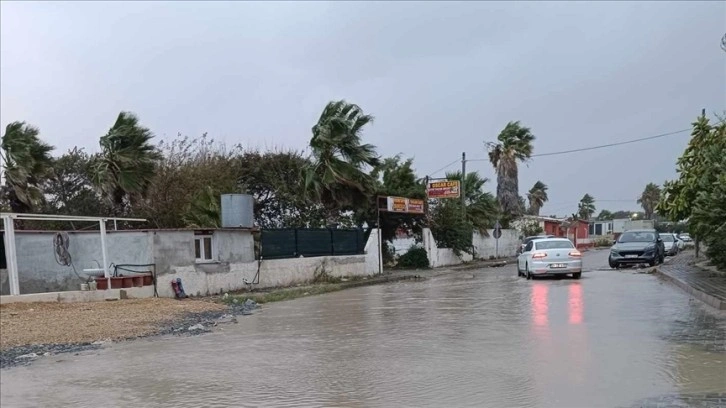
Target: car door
525 254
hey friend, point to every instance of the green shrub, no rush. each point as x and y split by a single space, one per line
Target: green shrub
416 257
603 242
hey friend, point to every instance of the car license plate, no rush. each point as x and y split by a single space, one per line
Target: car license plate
558 266
631 256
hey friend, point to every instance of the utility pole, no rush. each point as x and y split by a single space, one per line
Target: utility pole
462 185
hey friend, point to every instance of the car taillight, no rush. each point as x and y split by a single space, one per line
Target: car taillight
575 253
539 255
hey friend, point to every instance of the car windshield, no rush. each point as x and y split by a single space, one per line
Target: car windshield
639 236
558 244
667 238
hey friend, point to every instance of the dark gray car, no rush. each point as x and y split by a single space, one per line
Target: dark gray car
637 247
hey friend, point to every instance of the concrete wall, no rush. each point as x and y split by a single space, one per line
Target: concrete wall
39 272
484 248
233 266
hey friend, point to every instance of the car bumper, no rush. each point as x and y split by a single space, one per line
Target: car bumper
623 259
547 269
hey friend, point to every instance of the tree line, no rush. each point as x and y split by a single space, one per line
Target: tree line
177 183
698 195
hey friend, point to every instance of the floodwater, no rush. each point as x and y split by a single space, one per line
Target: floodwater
481 338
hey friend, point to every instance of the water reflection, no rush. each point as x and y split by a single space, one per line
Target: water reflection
539 303
575 303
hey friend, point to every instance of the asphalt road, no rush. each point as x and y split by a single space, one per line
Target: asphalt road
483 338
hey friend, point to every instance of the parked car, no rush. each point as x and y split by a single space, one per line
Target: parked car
670 244
685 237
528 239
680 243
637 247
549 256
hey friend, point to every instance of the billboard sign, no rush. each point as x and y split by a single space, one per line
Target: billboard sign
401 205
443 189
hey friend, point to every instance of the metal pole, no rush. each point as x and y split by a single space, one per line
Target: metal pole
106 274
380 242
115 227
462 185
496 251
10 255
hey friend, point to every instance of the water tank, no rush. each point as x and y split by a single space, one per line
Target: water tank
237 211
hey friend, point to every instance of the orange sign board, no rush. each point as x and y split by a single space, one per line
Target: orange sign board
405 205
443 189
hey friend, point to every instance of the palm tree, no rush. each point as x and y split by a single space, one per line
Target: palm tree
126 165
481 206
537 197
515 145
649 199
26 163
586 208
336 176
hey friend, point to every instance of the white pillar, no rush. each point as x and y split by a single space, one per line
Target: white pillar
380 250
105 253
11 256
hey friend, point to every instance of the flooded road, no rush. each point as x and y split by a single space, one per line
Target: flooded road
480 338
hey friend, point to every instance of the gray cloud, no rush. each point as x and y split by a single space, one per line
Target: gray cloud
440 77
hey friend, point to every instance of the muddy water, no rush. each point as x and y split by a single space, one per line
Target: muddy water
477 338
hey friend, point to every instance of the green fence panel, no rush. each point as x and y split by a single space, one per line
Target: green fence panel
314 242
278 244
310 242
345 242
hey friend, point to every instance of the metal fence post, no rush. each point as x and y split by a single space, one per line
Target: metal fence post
297 251
332 242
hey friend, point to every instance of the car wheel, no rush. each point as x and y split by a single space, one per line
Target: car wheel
519 271
527 272
612 264
577 275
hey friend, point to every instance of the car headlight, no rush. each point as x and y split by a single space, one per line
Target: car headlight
614 252
650 248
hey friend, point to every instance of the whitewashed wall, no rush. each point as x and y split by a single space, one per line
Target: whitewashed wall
172 251
484 248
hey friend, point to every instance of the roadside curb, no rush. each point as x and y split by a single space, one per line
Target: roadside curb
704 297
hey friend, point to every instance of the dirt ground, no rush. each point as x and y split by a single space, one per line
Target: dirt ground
52 323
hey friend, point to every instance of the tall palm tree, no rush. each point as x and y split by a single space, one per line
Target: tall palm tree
482 210
537 197
649 199
26 163
126 165
515 145
586 207
337 176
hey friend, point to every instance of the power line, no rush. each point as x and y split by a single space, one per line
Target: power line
604 146
445 167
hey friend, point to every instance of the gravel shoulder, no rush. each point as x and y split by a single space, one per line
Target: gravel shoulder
32 330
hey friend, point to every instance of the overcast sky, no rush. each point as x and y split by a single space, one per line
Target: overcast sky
440 78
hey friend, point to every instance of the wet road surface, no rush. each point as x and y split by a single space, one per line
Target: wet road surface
482 338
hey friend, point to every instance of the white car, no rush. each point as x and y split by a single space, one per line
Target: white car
681 243
549 257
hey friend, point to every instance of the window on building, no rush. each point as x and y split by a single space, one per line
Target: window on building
203 248
591 229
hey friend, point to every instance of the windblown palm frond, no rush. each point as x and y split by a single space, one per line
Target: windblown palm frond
27 162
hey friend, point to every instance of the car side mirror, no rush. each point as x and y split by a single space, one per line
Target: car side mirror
615 241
